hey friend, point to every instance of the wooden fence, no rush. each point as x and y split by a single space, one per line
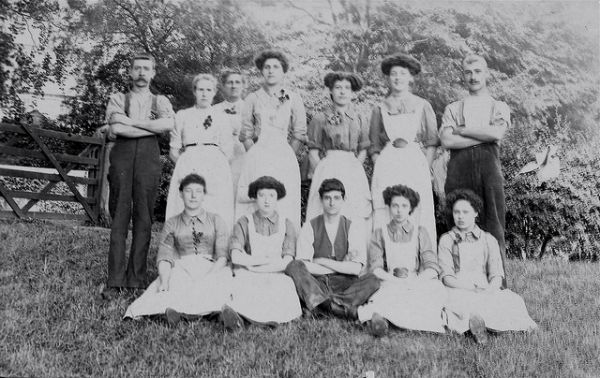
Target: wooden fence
91 158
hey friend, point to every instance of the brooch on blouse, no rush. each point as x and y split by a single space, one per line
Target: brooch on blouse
231 110
207 122
153 115
283 97
196 238
334 119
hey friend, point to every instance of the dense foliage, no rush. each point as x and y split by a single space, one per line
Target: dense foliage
544 67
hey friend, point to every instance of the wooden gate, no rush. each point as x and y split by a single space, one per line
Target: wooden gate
90 158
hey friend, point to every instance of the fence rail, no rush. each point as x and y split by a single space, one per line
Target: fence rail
91 158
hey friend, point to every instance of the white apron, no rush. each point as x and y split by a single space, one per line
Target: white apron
271 156
407 166
413 304
191 291
344 166
502 310
236 155
265 297
211 163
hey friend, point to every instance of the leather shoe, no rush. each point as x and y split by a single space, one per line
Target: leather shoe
378 326
231 319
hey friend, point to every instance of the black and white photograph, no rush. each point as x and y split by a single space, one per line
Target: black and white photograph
299 188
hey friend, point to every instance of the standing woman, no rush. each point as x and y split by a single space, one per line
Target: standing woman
398 125
233 84
341 134
198 144
269 115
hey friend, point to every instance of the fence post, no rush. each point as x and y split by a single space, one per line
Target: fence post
103 187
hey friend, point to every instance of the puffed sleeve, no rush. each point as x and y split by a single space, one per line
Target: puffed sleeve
376 250
428 134
176 135
249 123
494 260
501 116
298 120
357 245
221 238
116 105
377 134
166 245
315 132
427 257
445 256
289 241
165 109
239 237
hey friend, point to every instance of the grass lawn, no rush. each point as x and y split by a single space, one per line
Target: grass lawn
53 324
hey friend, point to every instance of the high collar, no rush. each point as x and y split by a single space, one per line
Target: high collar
407 226
475 233
273 218
349 112
187 219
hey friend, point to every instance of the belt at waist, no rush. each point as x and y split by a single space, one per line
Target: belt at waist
125 139
475 147
201 144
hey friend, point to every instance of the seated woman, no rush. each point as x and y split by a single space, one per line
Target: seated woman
401 255
193 277
262 245
200 142
472 270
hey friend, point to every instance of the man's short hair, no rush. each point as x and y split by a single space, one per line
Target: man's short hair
266 182
401 191
225 75
264 55
142 56
331 185
192 178
203 76
472 58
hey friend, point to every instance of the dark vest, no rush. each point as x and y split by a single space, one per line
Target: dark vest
322 244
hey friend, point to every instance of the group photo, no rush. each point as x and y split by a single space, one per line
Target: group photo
293 189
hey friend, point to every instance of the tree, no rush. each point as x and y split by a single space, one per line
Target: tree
25 66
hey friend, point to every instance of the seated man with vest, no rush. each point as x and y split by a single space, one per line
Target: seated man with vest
330 255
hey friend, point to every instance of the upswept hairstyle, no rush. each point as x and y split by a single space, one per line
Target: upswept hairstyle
192 178
331 78
203 76
225 75
142 56
465 195
401 191
403 60
266 182
262 57
330 185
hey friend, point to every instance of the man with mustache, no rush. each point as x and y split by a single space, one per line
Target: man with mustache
136 119
472 129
